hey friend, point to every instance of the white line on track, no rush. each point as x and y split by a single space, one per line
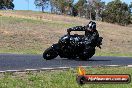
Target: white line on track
61 68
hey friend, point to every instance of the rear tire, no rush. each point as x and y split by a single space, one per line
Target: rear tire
88 53
50 53
83 56
92 52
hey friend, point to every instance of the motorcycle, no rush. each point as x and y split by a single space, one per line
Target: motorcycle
72 47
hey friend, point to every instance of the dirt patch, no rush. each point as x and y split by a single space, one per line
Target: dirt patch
37 34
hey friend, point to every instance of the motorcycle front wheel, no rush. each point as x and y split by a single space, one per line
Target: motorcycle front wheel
50 53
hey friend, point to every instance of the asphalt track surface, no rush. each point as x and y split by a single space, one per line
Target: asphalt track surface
21 62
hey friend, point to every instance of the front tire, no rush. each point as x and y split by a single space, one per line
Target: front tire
50 53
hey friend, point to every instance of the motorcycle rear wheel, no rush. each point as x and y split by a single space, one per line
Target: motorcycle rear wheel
50 53
88 54
83 57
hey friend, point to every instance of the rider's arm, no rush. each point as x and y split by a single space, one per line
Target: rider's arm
94 36
77 28
93 39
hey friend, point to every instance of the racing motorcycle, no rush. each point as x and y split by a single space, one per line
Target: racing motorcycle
72 47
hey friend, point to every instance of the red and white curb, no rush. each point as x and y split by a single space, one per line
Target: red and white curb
61 68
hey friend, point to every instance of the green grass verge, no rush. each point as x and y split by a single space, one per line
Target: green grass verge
60 79
24 51
15 20
113 54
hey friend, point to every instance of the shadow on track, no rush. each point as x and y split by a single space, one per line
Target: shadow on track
93 60
99 60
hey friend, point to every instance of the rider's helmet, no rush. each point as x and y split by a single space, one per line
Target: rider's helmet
91 26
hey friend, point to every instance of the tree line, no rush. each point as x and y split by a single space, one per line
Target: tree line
115 11
6 4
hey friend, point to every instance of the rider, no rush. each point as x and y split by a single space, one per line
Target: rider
90 39
92 33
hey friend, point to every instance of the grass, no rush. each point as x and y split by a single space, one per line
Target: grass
28 32
21 35
59 79
113 54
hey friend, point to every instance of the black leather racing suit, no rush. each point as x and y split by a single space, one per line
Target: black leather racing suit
90 40
91 37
